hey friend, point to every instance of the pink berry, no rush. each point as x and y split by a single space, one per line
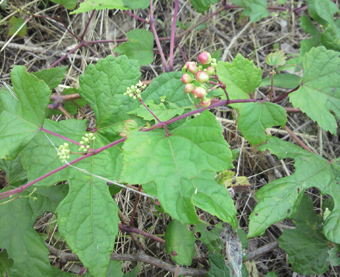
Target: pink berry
202 77
186 78
205 102
199 92
211 71
204 58
189 88
192 67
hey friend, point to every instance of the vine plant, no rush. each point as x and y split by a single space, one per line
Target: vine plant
162 141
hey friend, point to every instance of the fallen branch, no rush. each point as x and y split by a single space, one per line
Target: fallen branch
138 257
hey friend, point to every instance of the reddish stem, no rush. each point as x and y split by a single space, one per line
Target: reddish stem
137 231
135 207
87 25
173 34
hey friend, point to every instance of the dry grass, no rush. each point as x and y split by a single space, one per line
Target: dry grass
227 32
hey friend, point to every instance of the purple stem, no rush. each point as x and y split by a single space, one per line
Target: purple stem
139 18
107 41
284 95
87 25
137 231
62 137
96 151
180 49
173 37
157 39
65 56
140 100
91 153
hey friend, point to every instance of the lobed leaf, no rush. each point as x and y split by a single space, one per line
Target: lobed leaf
68 4
88 216
306 246
202 5
15 24
214 198
280 199
15 174
103 85
98 5
40 156
21 120
139 47
25 247
254 118
179 243
319 93
136 4
241 77
52 76
152 156
255 9
308 26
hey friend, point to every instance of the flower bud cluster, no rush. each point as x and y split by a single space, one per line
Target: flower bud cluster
135 91
85 142
196 76
64 152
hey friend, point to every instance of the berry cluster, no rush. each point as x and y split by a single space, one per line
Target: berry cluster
135 91
196 77
85 142
64 152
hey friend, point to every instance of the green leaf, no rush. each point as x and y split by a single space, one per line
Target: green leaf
255 9
88 217
217 266
202 5
170 86
331 37
271 274
5 263
254 118
239 3
308 26
306 246
136 4
40 156
319 93
280 199
139 47
68 4
214 198
243 238
161 159
98 5
276 58
24 246
241 77
19 123
52 77
217 54
211 237
322 10
103 85
15 24
283 80
3 4
15 174
334 255
160 110
134 272
179 243
325 9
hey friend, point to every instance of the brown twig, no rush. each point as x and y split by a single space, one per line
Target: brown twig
138 257
299 141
